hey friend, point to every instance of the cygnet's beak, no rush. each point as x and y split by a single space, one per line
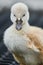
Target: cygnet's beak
19 24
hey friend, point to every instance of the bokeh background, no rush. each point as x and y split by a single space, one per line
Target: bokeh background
36 19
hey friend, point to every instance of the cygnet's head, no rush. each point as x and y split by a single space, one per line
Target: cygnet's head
19 15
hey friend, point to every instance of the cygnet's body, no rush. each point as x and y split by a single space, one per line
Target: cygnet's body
23 40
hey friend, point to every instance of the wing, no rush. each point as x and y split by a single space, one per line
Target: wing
36 40
36 37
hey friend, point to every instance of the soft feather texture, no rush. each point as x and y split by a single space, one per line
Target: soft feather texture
26 45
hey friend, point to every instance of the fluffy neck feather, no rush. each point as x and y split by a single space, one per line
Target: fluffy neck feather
26 27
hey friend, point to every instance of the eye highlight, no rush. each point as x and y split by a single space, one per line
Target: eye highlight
23 15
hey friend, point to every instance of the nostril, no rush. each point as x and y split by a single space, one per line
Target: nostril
19 21
16 20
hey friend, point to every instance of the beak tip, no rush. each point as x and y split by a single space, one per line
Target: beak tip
18 27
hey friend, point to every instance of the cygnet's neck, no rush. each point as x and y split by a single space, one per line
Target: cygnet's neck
26 27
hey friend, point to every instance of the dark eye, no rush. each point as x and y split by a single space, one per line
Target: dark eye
23 15
14 15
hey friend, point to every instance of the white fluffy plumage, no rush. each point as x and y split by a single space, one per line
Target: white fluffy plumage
24 41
